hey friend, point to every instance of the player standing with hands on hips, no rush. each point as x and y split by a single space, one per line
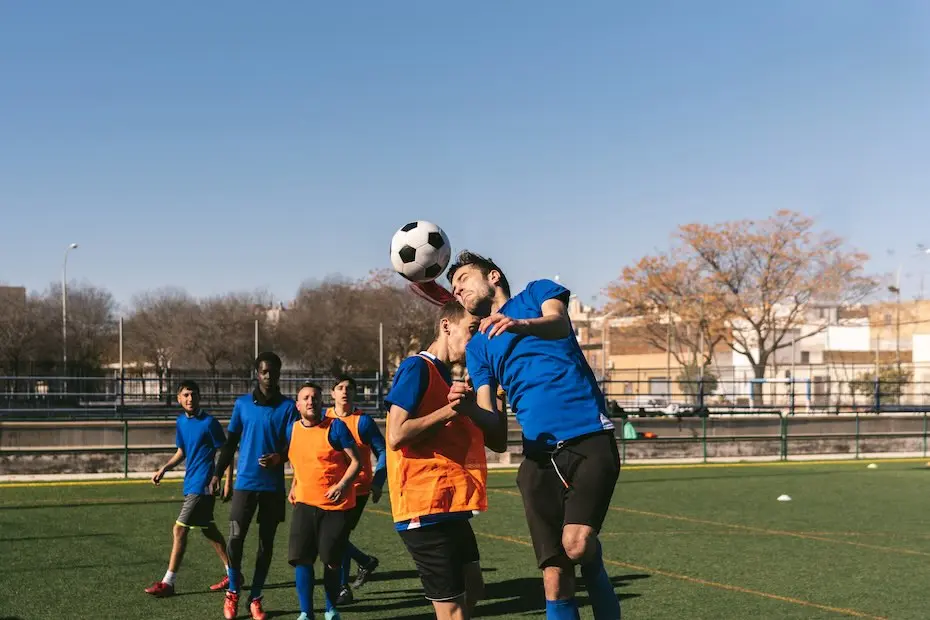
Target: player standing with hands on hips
527 346
258 428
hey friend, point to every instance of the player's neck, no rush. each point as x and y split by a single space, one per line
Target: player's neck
440 350
500 298
342 410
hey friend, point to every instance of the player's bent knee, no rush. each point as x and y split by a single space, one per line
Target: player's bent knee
579 542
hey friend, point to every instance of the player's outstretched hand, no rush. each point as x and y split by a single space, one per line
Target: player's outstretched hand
375 494
270 460
335 492
157 476
497 324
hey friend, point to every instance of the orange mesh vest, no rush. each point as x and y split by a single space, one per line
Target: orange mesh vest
444 472
317 466
364 478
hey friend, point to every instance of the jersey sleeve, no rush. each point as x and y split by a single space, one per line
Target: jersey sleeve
235 421
410 382
340 437
216 433
476 361
370 434
541 291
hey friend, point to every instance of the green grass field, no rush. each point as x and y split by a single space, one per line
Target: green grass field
706 542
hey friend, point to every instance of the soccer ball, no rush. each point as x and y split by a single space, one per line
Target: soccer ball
420 251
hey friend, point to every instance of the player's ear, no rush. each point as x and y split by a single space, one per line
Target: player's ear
444 326
494 276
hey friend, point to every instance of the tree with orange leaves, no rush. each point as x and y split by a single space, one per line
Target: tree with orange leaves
744 283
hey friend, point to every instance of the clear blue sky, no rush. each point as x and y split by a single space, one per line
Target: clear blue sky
242 145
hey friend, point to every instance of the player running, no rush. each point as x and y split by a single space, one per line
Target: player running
325 461
258 428
368 438
198 436
437 468
526 345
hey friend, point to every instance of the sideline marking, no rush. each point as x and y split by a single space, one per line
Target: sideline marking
504 470
713 584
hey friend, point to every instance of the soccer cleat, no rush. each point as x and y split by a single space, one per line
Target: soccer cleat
345 596
332 614
255 608
160 589
364 572
303 616
224 584
231 605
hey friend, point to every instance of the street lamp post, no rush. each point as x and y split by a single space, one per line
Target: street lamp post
64 314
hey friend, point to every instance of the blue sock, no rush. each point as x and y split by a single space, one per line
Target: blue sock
303 574
356 554
604 601
345 569
258 582
235 577
562 610
331 586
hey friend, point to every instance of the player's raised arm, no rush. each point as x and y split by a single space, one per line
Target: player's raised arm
481 408
405 429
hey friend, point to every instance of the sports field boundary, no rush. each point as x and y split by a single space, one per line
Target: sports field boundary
65 480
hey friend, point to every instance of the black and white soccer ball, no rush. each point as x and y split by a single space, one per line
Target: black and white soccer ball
420 251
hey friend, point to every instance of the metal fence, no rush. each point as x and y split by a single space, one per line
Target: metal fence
132 396
811 396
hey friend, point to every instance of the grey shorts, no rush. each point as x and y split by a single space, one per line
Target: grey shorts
196 511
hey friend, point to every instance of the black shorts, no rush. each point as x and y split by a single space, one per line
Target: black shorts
355 513
573 485
196 511
270 505
441 552
317 532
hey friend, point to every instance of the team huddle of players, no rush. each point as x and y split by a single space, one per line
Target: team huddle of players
432 457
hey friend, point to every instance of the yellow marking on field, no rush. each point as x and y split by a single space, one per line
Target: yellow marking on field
713 584
503 470
750 528
687 578
763 530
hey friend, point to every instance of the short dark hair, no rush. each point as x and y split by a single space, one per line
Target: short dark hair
484 265
345 377
189 384
271 358
452 311
311 385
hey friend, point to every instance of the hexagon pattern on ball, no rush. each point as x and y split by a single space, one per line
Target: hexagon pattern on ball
420 251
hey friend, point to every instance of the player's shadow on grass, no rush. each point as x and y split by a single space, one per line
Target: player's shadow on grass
88 504
55 537
526 595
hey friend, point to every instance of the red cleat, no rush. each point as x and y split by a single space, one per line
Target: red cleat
222 585
255 606
160 589
231 606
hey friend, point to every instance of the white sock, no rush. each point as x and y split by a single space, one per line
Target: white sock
169 578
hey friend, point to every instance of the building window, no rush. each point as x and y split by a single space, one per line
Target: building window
805 357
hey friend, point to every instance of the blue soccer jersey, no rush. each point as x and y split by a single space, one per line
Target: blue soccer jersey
264 429
549 383
198 436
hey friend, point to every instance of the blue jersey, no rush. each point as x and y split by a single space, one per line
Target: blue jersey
264 426
549 383
410 382
339 435
199 437
371 436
